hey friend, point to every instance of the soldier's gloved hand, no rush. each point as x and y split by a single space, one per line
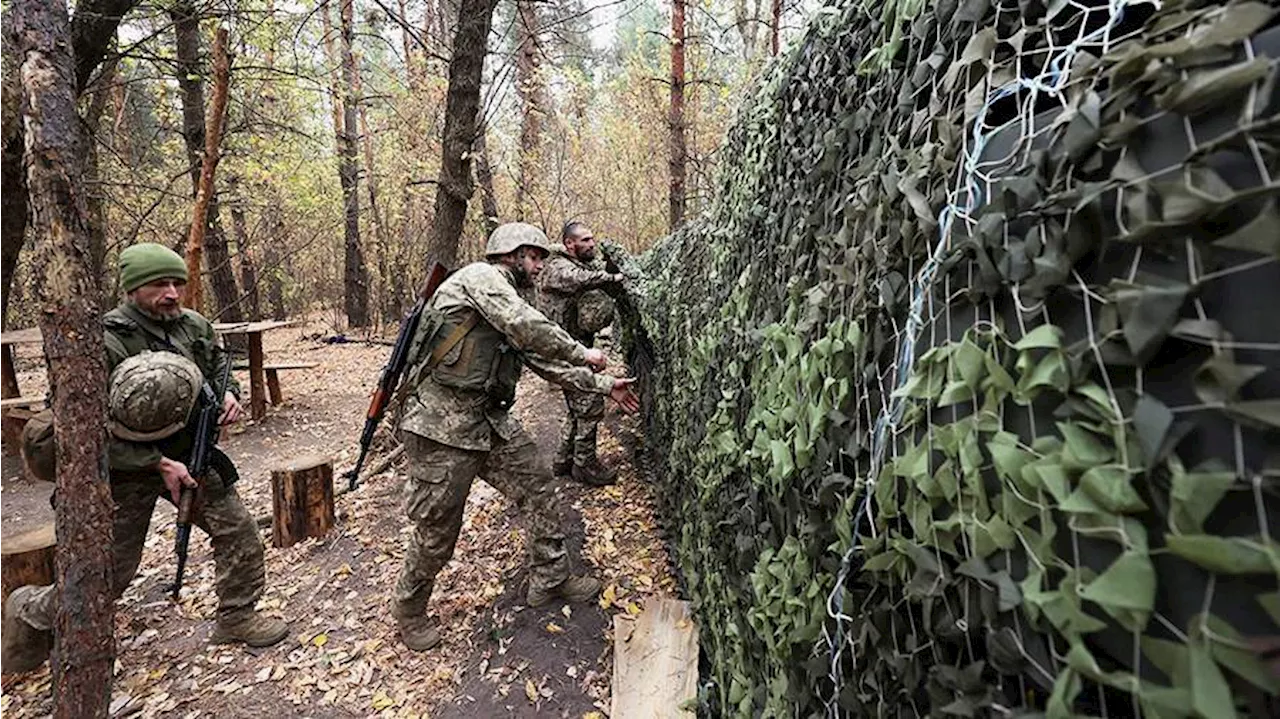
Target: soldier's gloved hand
596 359
231 409
623 395
175 476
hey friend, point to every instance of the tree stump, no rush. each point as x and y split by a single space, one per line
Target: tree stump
27 559
302 500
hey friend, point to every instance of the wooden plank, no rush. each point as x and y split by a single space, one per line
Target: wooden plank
655 662
28 336
10 402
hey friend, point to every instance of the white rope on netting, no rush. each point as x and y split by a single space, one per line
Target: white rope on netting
968 195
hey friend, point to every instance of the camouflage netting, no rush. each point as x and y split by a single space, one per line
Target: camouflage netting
967 387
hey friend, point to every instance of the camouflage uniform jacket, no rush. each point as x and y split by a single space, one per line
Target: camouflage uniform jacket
130 332
563 279
464 419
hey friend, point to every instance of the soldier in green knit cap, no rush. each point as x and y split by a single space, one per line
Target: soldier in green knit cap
158 354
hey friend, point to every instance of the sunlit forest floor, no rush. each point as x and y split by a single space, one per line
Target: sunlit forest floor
498 658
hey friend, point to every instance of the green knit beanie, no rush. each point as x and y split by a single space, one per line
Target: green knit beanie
147 262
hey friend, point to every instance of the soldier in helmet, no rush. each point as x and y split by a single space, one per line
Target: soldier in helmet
573 292
159 355
474 338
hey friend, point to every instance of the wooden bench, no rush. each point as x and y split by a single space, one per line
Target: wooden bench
273 377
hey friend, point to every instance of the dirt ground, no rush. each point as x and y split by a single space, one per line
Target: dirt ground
499 657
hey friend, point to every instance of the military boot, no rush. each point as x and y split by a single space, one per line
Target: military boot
594 474
573 589
23 647
419 633
249 628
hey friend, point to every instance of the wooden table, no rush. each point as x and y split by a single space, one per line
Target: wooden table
8 339
257 376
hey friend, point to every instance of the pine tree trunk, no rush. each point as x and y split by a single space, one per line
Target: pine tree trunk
84 648
532 104
678 148
484 176
355 278
775 27
371 177
93 175
252 300
462 105
92 29
210 237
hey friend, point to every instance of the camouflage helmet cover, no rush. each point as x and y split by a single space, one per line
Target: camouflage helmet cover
595 311
151 396
514 235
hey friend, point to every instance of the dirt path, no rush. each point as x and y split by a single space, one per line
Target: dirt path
498 658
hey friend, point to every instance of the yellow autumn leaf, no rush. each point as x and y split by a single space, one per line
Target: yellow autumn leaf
633 609
593 715
554 628
608 597
320 639
531 691
382 701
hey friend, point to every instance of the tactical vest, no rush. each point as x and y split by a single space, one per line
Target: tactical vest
481 361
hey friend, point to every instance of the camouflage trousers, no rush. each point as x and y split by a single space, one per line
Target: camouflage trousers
436 491
578 433
237 547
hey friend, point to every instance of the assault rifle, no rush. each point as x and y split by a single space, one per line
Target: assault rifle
198 466
394 369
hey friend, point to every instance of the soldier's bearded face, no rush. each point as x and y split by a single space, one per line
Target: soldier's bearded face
528 265
581 244
160 299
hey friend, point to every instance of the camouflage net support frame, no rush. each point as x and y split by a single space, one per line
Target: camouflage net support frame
967 385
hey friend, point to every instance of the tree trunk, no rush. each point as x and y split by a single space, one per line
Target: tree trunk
92 29
775 27
678 149
93 176
248 268
484 176
462 104
84 647
275 273
355 278
371 177
196 239
212 238
302 500
28 559
532 104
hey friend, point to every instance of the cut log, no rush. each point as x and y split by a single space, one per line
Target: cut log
302 507
655 662
27 559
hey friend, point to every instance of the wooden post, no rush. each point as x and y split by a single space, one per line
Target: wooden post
302 500
273 387
257 394
27 559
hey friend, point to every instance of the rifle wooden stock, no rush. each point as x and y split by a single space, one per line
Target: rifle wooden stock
394 369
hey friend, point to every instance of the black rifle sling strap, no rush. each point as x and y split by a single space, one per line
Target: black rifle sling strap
437 354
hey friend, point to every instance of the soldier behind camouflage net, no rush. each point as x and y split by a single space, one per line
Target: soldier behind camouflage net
573 291
475 336
156 349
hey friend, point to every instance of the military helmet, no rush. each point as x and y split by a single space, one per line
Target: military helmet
595 311
152 395
514 235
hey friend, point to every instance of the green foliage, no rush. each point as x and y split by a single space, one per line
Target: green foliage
1051 490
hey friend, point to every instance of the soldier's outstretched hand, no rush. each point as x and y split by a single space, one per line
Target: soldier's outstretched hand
596 359
623 395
